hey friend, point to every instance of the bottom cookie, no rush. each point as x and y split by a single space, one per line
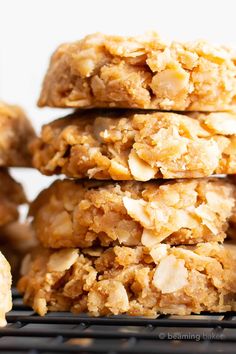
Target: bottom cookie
5 289
134 281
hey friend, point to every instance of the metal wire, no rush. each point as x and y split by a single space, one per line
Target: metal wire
68 333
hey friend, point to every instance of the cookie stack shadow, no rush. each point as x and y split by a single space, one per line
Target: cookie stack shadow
139 225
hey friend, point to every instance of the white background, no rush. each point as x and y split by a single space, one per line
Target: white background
30 30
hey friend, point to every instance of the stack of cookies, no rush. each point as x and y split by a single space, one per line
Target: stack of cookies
15 134
138 227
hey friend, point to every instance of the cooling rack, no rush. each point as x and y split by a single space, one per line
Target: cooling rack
68 333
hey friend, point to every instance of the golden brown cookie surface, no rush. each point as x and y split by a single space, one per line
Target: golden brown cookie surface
16 240
16 133
140 72
136 281
85 214
11 196
124 145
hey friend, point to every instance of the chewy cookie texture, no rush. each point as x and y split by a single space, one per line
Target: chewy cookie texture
11 196
85 214
5 289
140 72
135 281
16 133
129 145
145 235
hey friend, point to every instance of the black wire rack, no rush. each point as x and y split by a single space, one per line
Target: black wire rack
61 332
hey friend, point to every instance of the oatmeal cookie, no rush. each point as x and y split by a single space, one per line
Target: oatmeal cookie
135 281
126 145
5 289
140 72
16 133
85 214
16 240
11 196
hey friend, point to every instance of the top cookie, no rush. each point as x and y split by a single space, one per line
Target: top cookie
140 72
16 133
